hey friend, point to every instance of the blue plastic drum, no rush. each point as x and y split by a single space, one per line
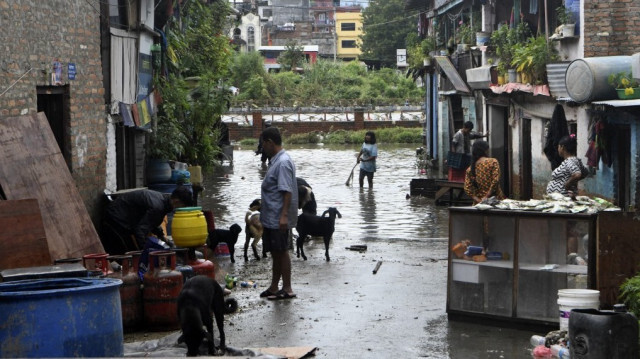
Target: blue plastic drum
66 317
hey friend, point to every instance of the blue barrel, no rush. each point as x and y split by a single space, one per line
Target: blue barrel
66 317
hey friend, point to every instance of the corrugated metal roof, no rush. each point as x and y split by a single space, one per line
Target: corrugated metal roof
618 103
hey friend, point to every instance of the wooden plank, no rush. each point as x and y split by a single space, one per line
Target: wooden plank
33 167
23 241
617 253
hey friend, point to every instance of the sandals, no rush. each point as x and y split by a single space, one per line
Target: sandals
281 295
267 294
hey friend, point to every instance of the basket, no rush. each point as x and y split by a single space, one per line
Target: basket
458 160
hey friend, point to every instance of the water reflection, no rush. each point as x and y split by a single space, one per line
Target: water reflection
367 200
381 212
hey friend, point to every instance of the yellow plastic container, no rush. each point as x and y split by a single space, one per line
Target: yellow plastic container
189 227
196 174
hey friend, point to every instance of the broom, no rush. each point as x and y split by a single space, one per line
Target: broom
351 175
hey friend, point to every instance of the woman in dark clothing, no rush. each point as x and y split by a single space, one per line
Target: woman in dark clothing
133 215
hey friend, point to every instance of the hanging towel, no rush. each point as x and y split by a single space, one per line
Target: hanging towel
557 129
533 7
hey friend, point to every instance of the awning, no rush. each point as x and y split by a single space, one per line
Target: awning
618 103
452 74
442 6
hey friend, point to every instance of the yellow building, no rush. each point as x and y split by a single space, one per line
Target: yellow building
348 30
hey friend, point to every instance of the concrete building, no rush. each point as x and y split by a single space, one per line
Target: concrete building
460 87
348 30
247 35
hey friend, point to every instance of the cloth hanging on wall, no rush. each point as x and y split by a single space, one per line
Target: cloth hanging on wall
557 129
533 7
124 67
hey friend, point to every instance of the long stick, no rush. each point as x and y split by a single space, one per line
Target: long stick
351 175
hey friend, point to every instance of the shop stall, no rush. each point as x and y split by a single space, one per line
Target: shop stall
509 264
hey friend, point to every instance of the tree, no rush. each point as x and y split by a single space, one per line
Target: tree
291 57
385 27
193 98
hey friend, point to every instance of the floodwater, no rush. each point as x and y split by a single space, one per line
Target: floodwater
342 307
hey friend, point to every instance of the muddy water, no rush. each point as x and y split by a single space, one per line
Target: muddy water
342 308
382 212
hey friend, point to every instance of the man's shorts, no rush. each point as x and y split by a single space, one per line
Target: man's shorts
275 240
367 174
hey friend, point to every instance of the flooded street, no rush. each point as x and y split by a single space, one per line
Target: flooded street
342 307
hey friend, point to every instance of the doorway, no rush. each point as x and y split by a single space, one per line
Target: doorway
54 102
622 165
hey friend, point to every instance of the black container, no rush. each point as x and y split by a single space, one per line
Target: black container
595 334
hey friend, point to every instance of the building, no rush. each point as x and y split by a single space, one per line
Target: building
271 53
247 35
462 86
348 30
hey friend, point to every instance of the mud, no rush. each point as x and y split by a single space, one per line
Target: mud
342 307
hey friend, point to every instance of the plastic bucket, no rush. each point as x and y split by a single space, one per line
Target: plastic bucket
569 299
189 227
67 317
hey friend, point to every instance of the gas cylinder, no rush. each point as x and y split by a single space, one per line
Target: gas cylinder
201 266
97 262
182 263
130 292
162 285
135 259
189 227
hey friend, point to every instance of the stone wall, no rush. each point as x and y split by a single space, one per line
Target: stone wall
611 27
34 35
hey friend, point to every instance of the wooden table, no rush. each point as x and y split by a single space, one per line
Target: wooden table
451 187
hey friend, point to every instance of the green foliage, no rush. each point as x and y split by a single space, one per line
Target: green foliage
189 114
386 26
248 142
328 83
383 135
622 80
630 294
245 66
419 51
303 138
532 57
564 15
292 57
505 41
466 34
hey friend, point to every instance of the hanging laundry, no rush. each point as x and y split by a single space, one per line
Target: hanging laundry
593 156
557 129
125 112
533 7
603 142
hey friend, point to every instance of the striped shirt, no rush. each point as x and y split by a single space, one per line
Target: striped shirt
561 175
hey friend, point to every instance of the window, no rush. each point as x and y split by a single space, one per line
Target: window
251 39
267 13
348 26
348 44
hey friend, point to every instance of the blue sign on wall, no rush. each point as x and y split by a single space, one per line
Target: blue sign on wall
71 71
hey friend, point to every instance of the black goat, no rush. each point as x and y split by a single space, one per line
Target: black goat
309 224
228 236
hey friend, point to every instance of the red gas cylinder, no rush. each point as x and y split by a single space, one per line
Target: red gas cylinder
162 285
201 266
130 292
97 262
135 257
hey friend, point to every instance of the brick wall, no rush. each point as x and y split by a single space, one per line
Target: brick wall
620 19
36 33
237 133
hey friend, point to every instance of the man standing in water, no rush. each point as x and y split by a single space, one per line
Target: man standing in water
279 213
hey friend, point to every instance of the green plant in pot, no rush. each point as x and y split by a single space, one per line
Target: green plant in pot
531 58
626 86
566 20
466 34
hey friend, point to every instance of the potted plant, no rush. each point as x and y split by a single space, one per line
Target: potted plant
530 59
566 20
626 86
465 36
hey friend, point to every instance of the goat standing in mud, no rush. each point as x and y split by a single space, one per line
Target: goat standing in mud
309 224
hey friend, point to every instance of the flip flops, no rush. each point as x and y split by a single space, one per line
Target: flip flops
281 295
267 294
